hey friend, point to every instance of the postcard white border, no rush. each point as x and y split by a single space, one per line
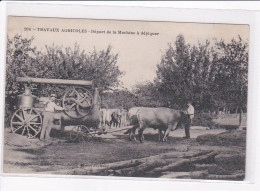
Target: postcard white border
152 14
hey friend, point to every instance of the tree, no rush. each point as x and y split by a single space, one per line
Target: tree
210 76
74 63
231 73
20 58
184 74
201 62
174 83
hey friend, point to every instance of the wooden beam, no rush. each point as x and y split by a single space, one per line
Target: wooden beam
55 81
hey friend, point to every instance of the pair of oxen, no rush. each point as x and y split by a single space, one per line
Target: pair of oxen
163 119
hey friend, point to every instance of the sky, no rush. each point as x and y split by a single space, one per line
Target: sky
138 53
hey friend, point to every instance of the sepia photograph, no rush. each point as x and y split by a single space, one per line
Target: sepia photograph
126 98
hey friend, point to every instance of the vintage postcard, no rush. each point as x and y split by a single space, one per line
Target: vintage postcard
126 98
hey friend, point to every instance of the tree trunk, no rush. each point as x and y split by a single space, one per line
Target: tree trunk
142 168
185 164
240 116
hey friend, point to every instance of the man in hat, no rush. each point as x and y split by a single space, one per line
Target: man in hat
51 105
49 116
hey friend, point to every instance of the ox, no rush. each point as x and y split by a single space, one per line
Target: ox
119 118
163 119
133 120
114 117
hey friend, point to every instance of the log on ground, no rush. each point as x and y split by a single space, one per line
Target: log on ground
237 177
147 163
185 164
186 175
212 168
156 161
145 166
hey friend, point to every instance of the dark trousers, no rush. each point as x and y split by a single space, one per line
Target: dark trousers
187 127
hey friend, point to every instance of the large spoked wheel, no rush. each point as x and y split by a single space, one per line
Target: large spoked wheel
81 133
77 102
26 121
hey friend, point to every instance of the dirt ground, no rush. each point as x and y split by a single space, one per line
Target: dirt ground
22 155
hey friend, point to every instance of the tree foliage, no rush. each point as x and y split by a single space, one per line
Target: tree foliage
20 59
74 63
119 99
211 76
148 95
230 75
184 73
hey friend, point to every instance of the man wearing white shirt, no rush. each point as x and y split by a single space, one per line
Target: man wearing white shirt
190 115
51 105
190 110
49 117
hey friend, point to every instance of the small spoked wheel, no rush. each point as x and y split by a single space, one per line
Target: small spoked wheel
81 133
26 121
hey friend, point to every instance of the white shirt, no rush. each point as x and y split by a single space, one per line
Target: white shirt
51 107
190 110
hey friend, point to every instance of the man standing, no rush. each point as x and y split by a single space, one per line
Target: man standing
49 117
189 117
